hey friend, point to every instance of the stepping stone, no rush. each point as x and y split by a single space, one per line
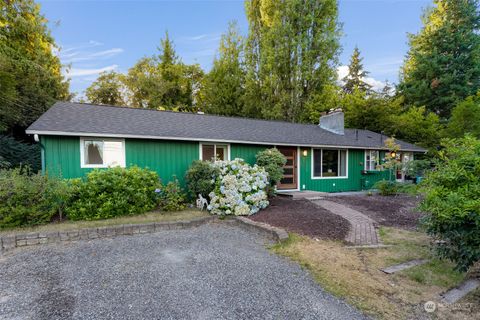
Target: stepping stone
461 291
403 266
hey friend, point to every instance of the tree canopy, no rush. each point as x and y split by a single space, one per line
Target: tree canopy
443 64
107 89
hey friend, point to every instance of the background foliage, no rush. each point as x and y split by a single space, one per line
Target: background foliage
452 200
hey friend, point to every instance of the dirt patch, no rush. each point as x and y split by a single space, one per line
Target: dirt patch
394 211
303 217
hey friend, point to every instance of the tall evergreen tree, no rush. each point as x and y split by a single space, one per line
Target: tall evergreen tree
164 81
224 87
354 80
443 64
291 55
107 89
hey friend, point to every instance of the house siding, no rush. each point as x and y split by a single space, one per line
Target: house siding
246 152
168 158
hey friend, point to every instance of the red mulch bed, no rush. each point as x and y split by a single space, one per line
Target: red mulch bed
303 217
391 211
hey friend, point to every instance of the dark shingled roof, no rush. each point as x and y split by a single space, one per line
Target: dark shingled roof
67 118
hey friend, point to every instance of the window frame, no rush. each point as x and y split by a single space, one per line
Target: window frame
104 165
365 159
312 164
200 154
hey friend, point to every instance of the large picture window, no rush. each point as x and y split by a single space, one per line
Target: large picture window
372 159
329 163
213 152
102 153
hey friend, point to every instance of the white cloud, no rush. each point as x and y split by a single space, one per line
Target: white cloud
205 37
107 53
377 85
79 72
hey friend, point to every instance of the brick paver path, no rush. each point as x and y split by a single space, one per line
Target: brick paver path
362 231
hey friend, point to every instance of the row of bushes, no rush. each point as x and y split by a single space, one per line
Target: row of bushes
28 199
233 187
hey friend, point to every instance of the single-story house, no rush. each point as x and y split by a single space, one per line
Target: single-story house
77 137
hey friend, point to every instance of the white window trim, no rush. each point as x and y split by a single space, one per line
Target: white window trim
200 146
313 177
365 159
82 152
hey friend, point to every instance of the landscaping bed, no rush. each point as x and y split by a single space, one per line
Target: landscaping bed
390 211
303 217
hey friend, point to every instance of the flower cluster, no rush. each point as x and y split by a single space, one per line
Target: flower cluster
239 189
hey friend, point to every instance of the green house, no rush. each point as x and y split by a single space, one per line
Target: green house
76 137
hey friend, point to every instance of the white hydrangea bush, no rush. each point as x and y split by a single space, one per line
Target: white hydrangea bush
239 189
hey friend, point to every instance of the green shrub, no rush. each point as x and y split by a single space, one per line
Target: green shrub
386 188
273 161
14 153
200 178
114 192
172 197
29 199
452 201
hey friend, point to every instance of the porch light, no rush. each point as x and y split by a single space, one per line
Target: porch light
393 154
305 153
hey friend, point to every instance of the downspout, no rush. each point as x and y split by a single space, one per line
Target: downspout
42 152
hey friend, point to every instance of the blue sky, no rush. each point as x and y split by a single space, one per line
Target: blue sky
96 36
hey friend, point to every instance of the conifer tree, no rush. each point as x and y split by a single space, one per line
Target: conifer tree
354 80
442 67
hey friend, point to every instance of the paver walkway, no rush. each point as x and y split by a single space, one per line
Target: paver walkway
363 231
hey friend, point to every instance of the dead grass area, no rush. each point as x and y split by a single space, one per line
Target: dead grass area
153 216
355 275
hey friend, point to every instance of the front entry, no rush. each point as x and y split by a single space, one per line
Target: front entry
289 180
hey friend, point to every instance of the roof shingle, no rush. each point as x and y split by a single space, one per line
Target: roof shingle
67 118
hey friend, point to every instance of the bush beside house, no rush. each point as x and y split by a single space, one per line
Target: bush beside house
28 199
114 192
273 161
452 201
200 178
240 189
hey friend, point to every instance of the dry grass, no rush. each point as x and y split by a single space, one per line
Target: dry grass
154 216
354 274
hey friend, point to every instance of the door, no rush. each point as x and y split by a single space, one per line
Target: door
289 180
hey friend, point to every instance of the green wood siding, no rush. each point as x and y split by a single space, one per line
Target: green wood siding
355 181
246 151
167 158
62 156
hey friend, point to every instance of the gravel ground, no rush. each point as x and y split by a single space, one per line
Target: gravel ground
215 271
303 217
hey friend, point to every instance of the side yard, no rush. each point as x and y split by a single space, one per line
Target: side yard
355 274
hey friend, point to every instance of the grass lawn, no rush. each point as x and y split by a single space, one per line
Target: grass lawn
153 216
354 274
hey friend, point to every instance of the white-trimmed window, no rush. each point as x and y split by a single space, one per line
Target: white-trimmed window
102 153
372 159
329 163
214 152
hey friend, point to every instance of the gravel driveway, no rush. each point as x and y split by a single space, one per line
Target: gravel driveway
215 271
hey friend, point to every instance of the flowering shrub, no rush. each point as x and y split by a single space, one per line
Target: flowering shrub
239 189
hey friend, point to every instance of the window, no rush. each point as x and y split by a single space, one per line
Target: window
329 163
372 159
212 152
102 153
